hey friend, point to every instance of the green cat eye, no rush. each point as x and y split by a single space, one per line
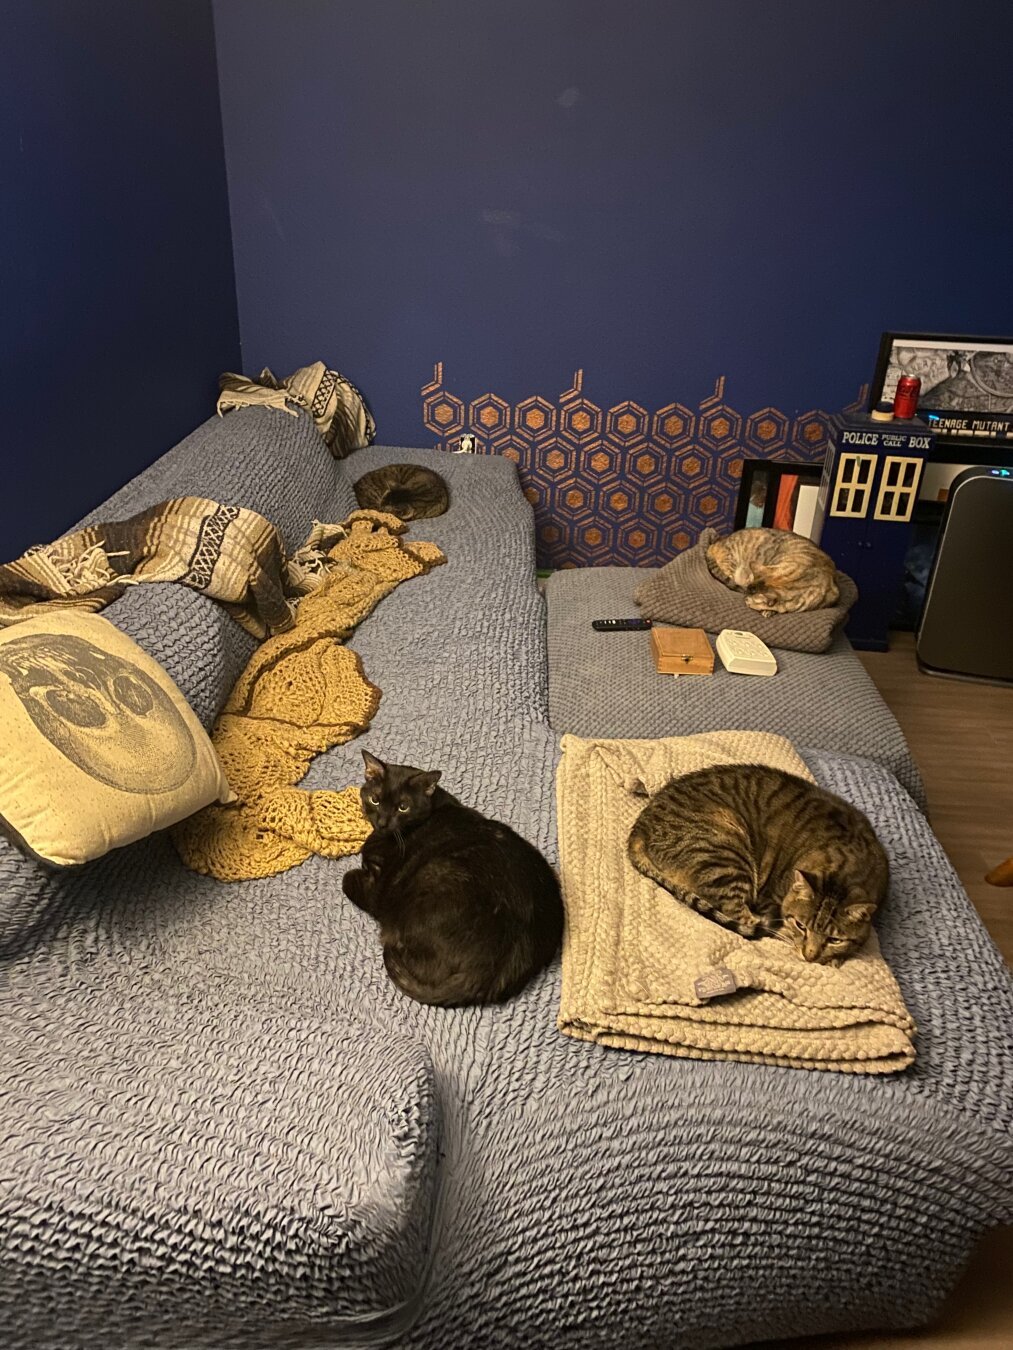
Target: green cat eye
374 801
403 807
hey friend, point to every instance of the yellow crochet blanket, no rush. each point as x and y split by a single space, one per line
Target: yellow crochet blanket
302 693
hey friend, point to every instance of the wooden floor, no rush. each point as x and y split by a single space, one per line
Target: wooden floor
962 737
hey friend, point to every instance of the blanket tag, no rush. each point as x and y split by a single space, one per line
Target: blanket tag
715 983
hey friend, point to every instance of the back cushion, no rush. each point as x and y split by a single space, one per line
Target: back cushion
260 458
202 649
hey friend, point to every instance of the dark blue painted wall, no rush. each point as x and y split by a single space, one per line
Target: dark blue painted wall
117 291
657 191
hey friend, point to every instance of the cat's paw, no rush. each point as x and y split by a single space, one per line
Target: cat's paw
760 603
353 884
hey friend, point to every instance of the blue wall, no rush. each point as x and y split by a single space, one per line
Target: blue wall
117 291
709 209
659 192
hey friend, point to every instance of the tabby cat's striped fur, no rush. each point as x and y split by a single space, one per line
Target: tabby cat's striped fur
766 853
780 572
408 491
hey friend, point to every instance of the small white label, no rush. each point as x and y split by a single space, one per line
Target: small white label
715 984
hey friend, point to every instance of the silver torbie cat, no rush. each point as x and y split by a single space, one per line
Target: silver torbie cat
780 572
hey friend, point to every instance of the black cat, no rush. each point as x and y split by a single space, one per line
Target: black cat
468 910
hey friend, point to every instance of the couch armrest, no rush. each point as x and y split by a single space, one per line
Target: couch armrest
169 1164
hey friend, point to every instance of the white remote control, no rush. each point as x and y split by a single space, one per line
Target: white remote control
744 653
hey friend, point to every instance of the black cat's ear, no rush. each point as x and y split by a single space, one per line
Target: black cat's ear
374 767
426 781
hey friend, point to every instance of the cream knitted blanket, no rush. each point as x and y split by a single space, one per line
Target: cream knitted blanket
641 971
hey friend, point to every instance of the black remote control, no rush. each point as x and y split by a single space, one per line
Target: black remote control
620 625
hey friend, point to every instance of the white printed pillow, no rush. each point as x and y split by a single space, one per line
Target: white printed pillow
98 747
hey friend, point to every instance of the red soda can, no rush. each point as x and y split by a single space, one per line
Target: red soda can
905 400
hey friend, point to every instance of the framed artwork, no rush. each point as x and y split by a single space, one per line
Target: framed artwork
778 495
967 382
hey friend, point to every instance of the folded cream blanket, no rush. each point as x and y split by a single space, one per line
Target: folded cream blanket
685 593
641 971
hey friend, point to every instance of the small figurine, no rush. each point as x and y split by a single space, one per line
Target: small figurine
465 446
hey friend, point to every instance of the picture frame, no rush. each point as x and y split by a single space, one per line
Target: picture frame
967 381
778 494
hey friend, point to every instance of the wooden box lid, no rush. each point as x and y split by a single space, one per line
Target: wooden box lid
682 651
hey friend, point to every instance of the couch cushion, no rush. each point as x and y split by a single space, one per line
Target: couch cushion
605 684
200 646
260 458
197 1161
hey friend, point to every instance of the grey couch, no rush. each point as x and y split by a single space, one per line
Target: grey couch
221 1125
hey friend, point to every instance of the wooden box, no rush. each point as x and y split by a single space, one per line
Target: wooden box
682 651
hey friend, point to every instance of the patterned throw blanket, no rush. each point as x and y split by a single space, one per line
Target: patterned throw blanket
231 554
641 971
301 693
336 406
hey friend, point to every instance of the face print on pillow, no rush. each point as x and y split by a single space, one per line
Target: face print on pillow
103 712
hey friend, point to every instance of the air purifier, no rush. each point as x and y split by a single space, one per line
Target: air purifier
966 627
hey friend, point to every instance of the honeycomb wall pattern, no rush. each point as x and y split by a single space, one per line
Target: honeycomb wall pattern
622 485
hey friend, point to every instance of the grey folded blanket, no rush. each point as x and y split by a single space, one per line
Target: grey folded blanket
686 594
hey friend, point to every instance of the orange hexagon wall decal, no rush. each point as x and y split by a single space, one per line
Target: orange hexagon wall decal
488 415
629 485
673 426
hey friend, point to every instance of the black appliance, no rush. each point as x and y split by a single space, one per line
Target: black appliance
966 627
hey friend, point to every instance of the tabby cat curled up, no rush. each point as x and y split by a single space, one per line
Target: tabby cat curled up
765 853
408 491
468 911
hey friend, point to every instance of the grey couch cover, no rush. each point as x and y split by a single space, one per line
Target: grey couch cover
221 1125
605 684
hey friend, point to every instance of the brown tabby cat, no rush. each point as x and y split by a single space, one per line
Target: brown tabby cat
780 572
766 853
408 491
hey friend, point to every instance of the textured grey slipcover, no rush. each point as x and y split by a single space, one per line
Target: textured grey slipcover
605 684
583 1197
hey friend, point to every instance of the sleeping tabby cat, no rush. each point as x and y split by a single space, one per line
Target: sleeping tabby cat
468 910
409 491
766 853
780 572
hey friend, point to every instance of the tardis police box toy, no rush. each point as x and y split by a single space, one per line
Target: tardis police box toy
867 494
